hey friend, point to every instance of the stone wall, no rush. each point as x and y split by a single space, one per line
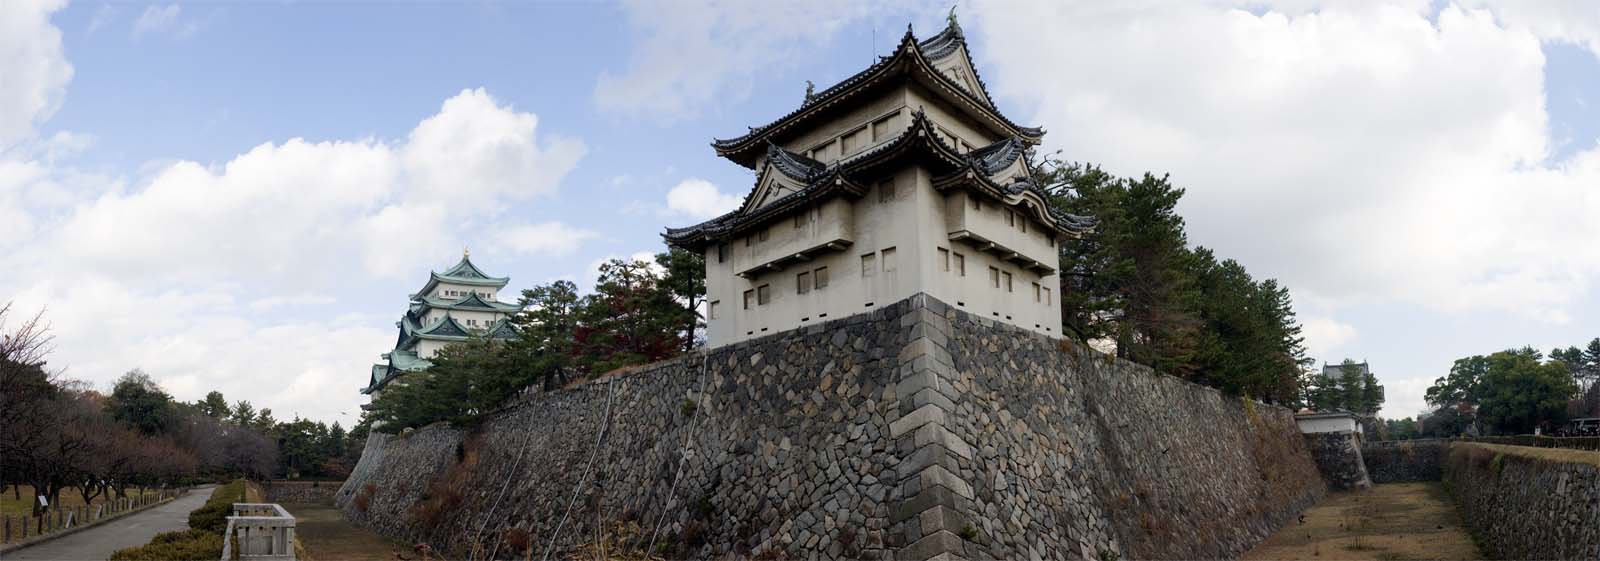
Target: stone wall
1338 457
1527 503
300 491
914 431
1401 461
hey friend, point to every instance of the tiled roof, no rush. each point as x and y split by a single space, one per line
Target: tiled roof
826 181
909 54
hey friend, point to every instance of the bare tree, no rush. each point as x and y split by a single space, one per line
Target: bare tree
29 343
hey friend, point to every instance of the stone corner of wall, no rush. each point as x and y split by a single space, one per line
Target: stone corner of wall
929 515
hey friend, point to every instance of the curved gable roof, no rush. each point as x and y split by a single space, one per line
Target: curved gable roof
909 57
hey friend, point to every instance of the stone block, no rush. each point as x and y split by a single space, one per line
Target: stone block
921 416
936 434
938 475
933 545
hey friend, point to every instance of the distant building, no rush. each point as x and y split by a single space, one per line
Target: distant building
1337 370
1331 421
902 179
453 306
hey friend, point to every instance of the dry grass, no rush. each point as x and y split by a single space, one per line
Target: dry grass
1398 521
1558 455
327 536
11 505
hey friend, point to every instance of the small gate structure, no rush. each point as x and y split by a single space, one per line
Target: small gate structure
265 532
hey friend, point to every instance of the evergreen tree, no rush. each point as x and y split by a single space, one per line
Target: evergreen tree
544 332
630 319
1520 393
1134 281
685 280
244 414
139 403
214 406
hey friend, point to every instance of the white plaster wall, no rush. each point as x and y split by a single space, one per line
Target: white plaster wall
443 291
427 348
914 224
1329 424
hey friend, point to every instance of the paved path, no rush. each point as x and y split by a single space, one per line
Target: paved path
97 543
1390 522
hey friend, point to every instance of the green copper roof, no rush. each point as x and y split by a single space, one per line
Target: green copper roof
471 302
465 273
502 330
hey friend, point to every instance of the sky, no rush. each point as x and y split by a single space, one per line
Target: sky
239 196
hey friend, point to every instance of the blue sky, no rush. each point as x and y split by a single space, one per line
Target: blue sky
1423 175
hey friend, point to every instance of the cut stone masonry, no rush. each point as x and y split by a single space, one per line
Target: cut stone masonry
928 521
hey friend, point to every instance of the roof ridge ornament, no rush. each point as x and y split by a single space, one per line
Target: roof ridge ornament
811 92
952 17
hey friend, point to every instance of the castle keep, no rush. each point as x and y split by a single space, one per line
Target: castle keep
452 306
902 179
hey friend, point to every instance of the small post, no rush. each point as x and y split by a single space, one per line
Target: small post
7 538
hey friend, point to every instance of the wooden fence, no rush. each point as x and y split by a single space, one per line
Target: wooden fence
17 528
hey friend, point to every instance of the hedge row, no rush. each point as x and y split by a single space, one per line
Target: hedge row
202 541
1572 442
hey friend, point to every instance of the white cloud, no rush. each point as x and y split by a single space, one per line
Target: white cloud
1324 335
1573 21
171 267
1358 151
34 68
160 19
102 18
688 53
549 238
698 198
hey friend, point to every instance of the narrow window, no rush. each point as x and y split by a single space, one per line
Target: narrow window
799 220
1024 225
748 240
761 236
1008 282
820 277
722 252
976 204
749 299
961 265
886 191
889 260
869 262
994 277
802 283
1037 296
944 259
1011 218
763 294
712 309
1047 296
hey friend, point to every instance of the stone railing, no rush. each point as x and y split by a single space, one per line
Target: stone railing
265 531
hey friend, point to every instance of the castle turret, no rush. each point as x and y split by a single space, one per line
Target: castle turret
902 179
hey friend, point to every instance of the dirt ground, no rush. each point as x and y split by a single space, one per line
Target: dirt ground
1391 522
328 537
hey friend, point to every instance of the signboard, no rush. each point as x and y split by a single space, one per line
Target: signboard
43 503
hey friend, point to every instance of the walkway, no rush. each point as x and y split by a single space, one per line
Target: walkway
97 543
1391 522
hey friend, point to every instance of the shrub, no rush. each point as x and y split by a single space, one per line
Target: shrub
188 545
213 516
202 541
